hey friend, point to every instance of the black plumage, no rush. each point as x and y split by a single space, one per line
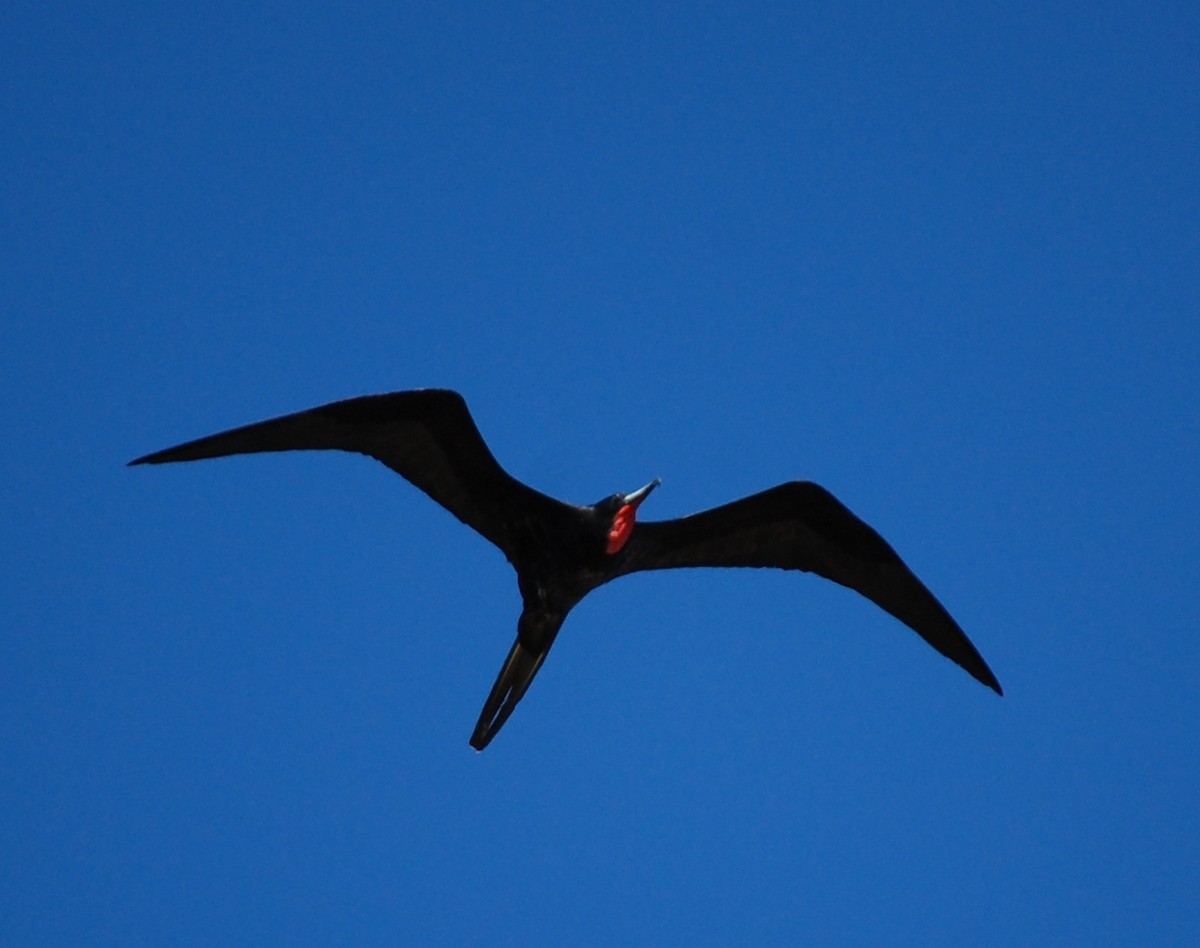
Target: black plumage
562 551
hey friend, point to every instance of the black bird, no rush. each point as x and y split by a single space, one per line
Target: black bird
561 551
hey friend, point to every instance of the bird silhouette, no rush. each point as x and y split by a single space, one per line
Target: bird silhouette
563 551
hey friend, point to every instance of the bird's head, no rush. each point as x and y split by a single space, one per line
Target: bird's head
618 514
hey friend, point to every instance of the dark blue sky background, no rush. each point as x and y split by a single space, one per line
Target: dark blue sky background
942 259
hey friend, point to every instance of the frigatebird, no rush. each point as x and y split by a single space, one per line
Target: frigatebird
562 551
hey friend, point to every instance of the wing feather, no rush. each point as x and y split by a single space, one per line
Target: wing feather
427 436
800 525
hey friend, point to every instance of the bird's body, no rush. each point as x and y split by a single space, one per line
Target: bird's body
561 551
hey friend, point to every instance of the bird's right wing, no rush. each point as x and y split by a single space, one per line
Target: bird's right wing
427 436
800 525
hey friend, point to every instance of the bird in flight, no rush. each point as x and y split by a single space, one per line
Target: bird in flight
562 551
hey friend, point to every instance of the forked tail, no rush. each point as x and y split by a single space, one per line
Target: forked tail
511 684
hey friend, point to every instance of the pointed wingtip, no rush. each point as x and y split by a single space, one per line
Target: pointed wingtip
985 674
978 669
154 457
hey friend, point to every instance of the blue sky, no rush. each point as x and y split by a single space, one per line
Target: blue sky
941 259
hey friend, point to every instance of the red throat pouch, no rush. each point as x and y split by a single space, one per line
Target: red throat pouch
622 527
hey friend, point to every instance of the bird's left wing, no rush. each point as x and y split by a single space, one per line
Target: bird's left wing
427 436
800 525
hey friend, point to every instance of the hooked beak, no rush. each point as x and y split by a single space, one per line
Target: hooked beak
635 499
622 522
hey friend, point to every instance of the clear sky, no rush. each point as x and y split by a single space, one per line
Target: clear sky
943 259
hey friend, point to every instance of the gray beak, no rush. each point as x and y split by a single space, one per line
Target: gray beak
641 494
